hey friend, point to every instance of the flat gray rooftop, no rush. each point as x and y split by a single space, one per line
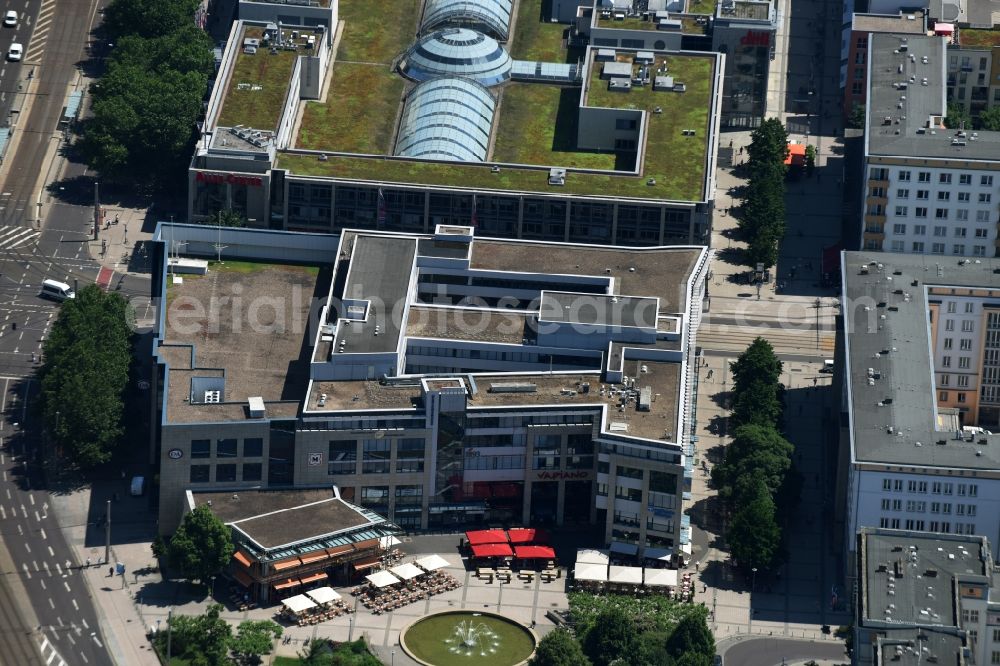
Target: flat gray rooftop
659 272
430 247
898 127
897 349
900 23
599 310
901 647
910 577
381 267
260 349
274 518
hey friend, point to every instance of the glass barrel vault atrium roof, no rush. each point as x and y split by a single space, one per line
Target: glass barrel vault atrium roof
457 52
491 16
447 119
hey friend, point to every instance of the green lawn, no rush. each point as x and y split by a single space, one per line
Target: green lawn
983 38
537 125
630 23
257 108
676 162
536 38
376 32
701 6
358 114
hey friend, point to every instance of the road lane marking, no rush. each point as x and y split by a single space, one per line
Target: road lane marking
31 498
44 535
66 585
37 519
3 512
44 586
26 572
34 563
84 621
75 606
58 568
52 553
52 603
97 640
27 546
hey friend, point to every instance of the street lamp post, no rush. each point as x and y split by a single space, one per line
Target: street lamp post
753 584
392 658
500 598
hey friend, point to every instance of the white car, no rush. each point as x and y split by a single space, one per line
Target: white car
10 19
15 52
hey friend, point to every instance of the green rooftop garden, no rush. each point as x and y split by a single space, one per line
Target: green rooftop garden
676 162
376 33
701 7
537 124
979 38
535 37
358 114
258 87
628 23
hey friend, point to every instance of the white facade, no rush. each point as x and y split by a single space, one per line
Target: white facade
957 349
934 210
923 499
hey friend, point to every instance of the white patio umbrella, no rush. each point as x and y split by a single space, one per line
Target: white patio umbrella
432 562
298 603
661 577
628 575
587 556
323 595
594 572
382 579
407 571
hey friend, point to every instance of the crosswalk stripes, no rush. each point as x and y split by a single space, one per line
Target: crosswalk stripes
13 237
39 35
49 653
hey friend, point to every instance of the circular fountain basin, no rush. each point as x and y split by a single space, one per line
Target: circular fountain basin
468 638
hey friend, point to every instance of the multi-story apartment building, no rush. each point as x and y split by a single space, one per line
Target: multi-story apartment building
925 598
435 379
928 190
920 379
854 49
973 66
315 129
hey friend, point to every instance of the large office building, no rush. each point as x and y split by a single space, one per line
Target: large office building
437 380
925 599
974 70
459 113
928 190
921 388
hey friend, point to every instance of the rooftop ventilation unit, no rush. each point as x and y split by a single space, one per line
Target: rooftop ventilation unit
213 397
256 407
557 176
513 387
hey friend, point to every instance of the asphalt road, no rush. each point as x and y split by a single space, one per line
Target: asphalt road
12 74
67 623
776 651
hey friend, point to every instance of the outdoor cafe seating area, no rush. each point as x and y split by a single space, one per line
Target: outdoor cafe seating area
312 607
595 573
405 584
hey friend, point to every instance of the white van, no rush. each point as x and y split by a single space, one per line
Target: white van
138 486
58 291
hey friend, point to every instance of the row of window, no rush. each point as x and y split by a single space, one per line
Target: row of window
931 526
925 195
965 344
225 472
939 231
905 176
936 487
964 362
945 396
920 506
936 248
921 213
253 447
961 382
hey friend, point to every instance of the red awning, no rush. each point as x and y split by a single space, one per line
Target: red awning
313 578
534 553
291 582
527 535
480 537
281 565
796 154
314 557
242 559
492 550
367 563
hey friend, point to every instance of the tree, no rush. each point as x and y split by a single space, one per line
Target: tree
652 649
147 18
857 118
990 119
87 358
768 145
226 218
756 452
754 536
202 546
613 636
758 361
200 639
254 638
691 636
559 648
957 118
762 212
